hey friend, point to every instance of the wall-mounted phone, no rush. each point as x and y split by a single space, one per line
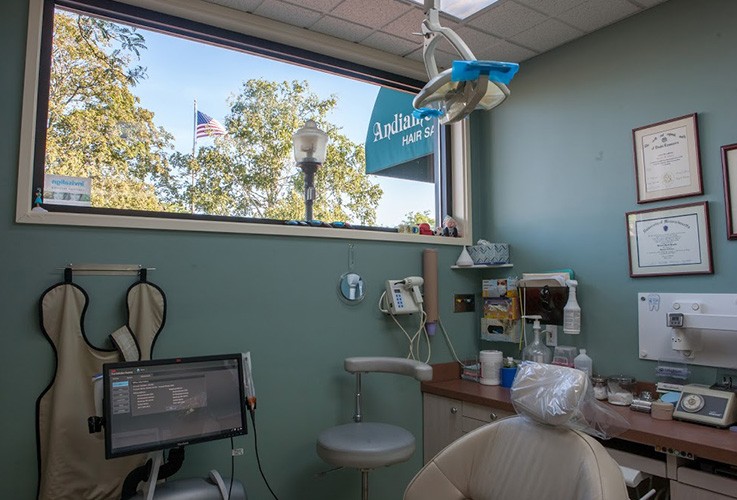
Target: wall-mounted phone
403 296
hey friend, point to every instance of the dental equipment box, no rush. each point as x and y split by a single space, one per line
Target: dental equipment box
704 405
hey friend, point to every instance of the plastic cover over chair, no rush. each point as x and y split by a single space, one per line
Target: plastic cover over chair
539 454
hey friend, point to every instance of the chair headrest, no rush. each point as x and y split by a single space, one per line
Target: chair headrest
549 394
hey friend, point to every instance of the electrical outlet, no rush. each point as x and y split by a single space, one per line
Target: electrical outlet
464 303
551 335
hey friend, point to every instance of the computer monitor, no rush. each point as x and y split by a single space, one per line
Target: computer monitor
159 404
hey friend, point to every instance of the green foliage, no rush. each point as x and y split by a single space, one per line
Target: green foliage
251 172
417 218
96 127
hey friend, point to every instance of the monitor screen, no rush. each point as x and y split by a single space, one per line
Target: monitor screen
160 404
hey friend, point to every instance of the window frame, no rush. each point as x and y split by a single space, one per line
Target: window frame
210 19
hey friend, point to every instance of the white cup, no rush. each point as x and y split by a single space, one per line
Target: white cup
491 364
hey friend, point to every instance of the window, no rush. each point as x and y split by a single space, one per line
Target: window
144 119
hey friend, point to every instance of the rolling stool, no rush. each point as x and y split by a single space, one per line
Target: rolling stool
368 445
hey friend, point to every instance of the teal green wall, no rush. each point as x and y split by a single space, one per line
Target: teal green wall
273 296
553 176
560 157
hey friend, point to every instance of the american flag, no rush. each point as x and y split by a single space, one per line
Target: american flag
208 126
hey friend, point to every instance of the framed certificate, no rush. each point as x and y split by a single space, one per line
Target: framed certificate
669 241
667 163
729 166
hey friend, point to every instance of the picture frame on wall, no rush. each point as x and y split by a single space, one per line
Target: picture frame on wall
667 159
729 168
669 241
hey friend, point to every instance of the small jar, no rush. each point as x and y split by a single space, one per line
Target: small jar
599 387
620 390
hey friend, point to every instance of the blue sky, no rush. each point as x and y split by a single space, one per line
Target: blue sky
180 71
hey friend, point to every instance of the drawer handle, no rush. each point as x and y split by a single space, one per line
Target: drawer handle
454 410
493 416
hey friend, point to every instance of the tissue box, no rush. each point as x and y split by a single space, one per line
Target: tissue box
493 253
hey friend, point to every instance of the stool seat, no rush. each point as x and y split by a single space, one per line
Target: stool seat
365 445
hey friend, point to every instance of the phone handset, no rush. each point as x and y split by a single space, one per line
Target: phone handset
403 296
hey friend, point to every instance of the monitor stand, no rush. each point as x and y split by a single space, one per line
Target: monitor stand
215 487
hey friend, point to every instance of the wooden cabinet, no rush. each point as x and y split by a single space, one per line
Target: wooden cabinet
446 419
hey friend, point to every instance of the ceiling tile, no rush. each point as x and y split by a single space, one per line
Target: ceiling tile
505 51
243 5
415 55
287 13
445 60
442 59
324 6
507 19
389 43
546 35
406 25
476 40
340 28
595 14
372 13
551 7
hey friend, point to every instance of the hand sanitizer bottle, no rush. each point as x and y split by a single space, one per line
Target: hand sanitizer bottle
572 311
537 351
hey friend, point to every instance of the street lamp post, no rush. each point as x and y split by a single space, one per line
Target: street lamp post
310 147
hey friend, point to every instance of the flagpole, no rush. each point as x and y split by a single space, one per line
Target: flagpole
194 146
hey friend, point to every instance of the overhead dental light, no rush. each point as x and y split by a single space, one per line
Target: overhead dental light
454 93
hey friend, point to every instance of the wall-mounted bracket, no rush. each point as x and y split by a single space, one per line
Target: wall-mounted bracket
697 329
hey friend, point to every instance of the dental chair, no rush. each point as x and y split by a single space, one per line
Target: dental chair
533 455
369 445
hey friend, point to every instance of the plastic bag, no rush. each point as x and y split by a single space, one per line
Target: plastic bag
558 395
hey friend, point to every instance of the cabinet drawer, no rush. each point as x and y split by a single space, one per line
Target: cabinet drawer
679 491
637 462
711 482
483 413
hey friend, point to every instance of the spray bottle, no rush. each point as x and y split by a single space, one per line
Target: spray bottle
572 311
537 351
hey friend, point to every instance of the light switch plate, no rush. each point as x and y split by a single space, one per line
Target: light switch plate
464 303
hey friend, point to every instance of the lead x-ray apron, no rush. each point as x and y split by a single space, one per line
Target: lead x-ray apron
72 461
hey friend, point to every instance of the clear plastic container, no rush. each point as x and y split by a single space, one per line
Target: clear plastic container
620 389
600 389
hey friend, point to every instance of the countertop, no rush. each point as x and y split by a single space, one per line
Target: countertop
702 441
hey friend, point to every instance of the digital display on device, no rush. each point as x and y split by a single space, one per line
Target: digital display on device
159 404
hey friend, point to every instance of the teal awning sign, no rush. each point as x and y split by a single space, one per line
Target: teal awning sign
397 143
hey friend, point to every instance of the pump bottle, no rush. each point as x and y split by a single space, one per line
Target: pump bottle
537 351
572 311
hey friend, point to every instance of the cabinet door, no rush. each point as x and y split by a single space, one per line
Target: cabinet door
680 491
441 423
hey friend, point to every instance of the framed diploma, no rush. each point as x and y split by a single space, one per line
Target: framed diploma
669 241
667 163
729 166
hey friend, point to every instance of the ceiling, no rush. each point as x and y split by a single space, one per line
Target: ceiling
508 30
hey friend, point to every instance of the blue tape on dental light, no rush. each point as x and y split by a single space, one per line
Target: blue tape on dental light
500 72
427 113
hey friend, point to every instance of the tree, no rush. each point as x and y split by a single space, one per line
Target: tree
95 126
417 218
251 171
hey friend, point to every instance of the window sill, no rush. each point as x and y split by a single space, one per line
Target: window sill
207 226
